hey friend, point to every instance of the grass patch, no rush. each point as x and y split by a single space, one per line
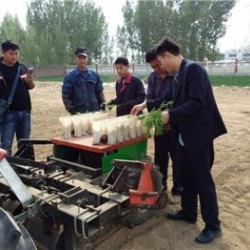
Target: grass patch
240 81
111 78
50 79
237 80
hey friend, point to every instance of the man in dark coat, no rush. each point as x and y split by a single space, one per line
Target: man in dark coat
198 122
18 119
160 89
129 88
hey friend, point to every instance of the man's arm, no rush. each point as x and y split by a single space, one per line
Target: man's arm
165 116
29 82
151 100
99 90
28 79
67 94
138 108
155 103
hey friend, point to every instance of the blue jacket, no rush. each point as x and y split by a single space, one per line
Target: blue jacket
82 91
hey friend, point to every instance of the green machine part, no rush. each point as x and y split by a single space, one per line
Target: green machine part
135 151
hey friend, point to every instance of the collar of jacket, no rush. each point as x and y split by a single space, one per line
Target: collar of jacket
126 80
182 65
78 71
16 64
1 60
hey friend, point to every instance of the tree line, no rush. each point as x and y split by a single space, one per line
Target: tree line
55 28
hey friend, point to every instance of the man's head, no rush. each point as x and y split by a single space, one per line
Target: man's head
81 57
152 60
168 53
10 51
122 66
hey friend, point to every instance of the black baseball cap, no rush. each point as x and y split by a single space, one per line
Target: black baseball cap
81 51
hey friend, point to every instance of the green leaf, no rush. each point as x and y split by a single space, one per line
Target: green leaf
153 120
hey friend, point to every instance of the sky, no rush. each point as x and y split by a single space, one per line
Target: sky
237 27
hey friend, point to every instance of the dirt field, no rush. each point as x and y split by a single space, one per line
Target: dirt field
231 172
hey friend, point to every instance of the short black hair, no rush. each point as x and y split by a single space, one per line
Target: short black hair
150 55
9 45
168 45
122 60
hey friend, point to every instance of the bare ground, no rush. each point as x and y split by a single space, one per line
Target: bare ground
231 173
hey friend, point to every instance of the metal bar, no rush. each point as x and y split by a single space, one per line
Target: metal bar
26 162
35 142
15 183
94 172
127 163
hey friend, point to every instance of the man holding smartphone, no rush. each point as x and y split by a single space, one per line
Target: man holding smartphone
17 120
30 71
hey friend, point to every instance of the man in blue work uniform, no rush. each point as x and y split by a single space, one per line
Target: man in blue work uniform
82 89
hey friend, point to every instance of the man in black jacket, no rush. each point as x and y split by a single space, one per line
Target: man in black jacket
129 88
18 119
199 122
160 90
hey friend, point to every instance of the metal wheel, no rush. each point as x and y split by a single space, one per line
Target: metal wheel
162 200
137 216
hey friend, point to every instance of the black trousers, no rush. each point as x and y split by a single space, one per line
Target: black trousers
197 182
167 145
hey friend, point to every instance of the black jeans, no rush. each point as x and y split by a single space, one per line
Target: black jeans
198 181
167 145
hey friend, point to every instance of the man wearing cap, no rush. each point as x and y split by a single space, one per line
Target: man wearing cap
82 89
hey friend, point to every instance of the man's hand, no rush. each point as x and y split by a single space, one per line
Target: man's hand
29 81
103 106
137 108
3 153
72 111
165 116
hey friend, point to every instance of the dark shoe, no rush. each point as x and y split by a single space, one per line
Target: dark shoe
208 235
179 215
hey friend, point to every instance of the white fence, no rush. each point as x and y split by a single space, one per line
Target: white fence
214 68
242 68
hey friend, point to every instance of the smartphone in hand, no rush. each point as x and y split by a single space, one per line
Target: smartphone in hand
30 71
